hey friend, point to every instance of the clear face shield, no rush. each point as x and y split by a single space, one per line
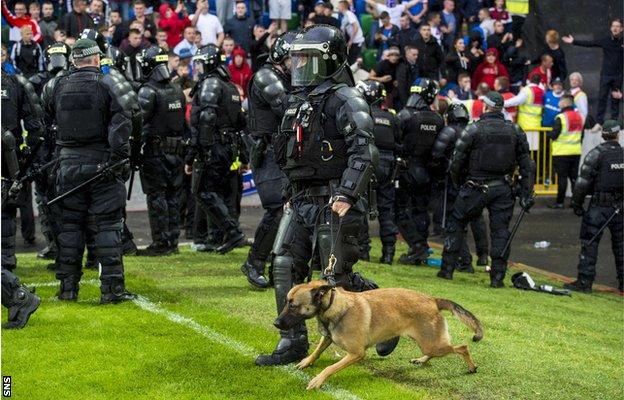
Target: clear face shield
198 67
57 62
307 68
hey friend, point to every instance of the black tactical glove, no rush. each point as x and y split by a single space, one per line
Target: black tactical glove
578 209
121 172
526 202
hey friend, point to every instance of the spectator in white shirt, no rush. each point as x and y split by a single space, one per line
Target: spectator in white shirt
187 48
350 26
208 24
394 11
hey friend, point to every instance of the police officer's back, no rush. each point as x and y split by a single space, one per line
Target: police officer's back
163 105
93 130
420 127
216 116
486 155
602 176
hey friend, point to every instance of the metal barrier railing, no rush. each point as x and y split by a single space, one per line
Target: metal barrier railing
545 178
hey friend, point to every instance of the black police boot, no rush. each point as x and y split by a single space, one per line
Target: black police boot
91 262
68 290
51 266
291 348
155 249
254 271
465 268
415 256
48 252
115 292
482 261
387 347
581 285
128 247
23 304
387 254
621 284
445 273
235 238
496 279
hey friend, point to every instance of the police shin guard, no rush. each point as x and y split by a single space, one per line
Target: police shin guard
293 344
20 302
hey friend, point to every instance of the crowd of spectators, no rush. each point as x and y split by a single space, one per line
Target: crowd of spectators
467 46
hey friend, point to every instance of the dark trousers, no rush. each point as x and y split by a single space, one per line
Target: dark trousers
161 180
412 202
469 205
27 215
96 211
607 84
595 217
269 180
566 167
8 236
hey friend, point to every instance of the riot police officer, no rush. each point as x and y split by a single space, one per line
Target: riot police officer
420 127
326 149
486 154
163 105
601 176
57 62
457 118
386 132
114 63
93 131
268 91
19 104
216 116
56 58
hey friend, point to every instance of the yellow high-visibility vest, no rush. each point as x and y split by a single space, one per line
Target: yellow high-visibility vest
517 6
569 141
530 112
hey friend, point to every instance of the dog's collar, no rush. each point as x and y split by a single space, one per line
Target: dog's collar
331 300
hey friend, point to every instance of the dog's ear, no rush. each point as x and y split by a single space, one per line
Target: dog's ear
319 292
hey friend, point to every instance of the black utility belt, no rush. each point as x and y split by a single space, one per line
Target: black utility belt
484 184
316 189
168 144
607 199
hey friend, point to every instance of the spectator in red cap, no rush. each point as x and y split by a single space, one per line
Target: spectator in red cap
490 69
239 69
544 70
173 22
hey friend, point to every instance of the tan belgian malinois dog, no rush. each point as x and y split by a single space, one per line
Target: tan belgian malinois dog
357 321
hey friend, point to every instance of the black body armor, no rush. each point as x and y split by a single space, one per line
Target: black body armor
420 129
386 128
267 101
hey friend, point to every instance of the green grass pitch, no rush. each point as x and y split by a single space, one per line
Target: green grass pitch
198 326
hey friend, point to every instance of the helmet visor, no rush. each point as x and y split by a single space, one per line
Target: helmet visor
57 62
198 67
307 69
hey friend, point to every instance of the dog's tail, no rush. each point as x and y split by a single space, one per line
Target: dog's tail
465 316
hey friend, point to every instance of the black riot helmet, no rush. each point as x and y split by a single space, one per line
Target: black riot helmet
281 47
373 91
57 57
318 53
457 112
207 59
112 55
424 91
152 63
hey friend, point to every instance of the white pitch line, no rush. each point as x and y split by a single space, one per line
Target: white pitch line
241 348
94 282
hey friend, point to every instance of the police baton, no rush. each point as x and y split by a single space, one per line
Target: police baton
445 201
514 229
101 173
604 226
